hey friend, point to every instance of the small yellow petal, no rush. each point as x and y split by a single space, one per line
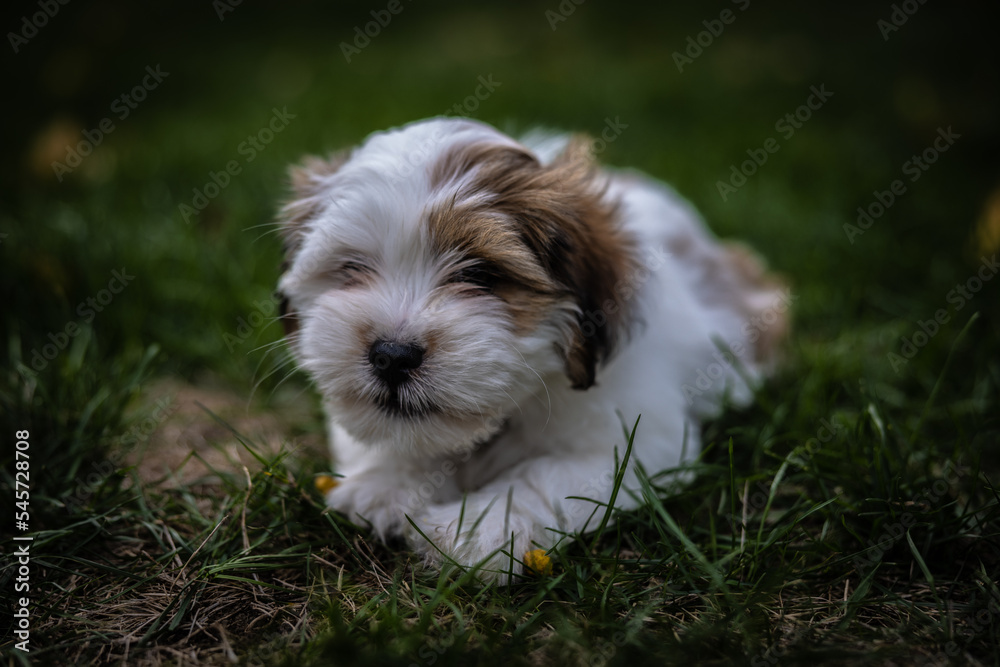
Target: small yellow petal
324 483
536 561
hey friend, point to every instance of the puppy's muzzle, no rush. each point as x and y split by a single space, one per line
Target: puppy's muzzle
393 362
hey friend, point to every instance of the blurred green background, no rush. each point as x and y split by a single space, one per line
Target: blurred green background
78 348
558 65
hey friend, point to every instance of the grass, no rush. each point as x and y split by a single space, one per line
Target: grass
849 516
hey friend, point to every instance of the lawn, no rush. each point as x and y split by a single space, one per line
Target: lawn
849 516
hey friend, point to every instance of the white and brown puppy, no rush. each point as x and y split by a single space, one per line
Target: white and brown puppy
481 314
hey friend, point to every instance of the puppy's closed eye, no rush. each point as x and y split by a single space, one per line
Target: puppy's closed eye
350 273
478 276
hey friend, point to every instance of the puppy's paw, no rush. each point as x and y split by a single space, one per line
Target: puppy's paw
379 499
493 544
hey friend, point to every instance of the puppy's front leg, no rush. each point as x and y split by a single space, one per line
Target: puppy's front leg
381 488
527 507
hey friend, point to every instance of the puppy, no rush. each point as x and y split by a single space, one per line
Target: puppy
482 316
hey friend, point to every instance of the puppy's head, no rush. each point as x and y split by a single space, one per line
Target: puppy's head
440 276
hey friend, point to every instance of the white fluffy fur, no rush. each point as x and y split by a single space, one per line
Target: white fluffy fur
518 446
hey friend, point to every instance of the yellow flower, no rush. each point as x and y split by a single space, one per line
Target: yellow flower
537 562
324 483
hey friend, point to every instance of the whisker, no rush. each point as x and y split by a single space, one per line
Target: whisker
280 363
516 404
284 379
548 398
263 224
267 347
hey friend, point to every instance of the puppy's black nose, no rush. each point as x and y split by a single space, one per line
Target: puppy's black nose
394 361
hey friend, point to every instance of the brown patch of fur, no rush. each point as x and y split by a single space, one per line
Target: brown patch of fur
753 281
734 276
557 236
527 308
493 241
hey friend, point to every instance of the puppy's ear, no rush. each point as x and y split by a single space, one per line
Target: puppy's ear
593 257
308 182
563 215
